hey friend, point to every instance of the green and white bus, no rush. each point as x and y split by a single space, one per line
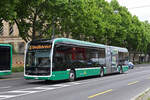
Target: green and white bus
5 59
64 58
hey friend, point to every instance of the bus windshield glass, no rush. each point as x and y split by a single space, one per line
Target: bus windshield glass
38 59
5 58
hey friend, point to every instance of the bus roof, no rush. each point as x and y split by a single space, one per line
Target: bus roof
6 45
84 43
120 49
79 42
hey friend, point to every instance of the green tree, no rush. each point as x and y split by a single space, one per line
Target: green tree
145 45
31 18
122 21
7 10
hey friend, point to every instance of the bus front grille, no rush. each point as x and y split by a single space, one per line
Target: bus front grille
38 71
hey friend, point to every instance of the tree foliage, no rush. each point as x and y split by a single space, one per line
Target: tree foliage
91 20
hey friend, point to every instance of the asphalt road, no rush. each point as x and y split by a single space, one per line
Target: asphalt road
110 87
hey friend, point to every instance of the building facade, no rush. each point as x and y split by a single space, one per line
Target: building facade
9 34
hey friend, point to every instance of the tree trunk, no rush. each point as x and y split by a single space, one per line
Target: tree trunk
34 27
129 56
148 57
67 34
134 57
145 60
139 58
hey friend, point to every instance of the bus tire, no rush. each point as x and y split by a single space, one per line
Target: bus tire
102 72
121 70
48 81
72 76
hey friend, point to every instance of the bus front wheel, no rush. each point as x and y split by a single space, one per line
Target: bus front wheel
72 76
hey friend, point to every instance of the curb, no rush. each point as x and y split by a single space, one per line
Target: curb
134 98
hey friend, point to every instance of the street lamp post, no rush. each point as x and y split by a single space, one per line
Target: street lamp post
53 28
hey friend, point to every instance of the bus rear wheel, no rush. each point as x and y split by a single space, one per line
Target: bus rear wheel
121 70
72 76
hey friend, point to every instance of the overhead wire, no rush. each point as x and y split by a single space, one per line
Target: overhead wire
143 6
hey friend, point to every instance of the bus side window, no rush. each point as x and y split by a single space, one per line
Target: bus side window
62 56
58 60
95 57
101 57
80 57
92 57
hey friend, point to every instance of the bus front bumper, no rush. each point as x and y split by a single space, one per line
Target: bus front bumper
36 78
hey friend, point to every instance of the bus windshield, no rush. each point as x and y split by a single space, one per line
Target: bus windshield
5 58
38 59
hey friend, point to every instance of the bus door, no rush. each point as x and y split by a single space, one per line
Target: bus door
114 57
108 60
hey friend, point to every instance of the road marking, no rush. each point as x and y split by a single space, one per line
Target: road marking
7 96
28 91
23 91
9 79
44 88
133 83
75 83
100 93
60 85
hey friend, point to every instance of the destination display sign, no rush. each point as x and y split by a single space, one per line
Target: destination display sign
36 47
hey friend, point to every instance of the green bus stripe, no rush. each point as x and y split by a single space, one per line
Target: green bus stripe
87 72
125 68
5 73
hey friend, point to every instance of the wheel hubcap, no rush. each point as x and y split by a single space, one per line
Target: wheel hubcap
102 73
71 75
120 70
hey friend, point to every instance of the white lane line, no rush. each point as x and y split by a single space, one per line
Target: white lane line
28 91
17 91
75 83
12 96
60 85
7 96
44 88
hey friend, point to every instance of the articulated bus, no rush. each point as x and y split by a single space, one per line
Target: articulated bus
64 58
5 59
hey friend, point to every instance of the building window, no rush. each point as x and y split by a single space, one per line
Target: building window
11 30
1 30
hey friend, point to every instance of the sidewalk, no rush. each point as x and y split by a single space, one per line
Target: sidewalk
13 75
144 96
142 65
